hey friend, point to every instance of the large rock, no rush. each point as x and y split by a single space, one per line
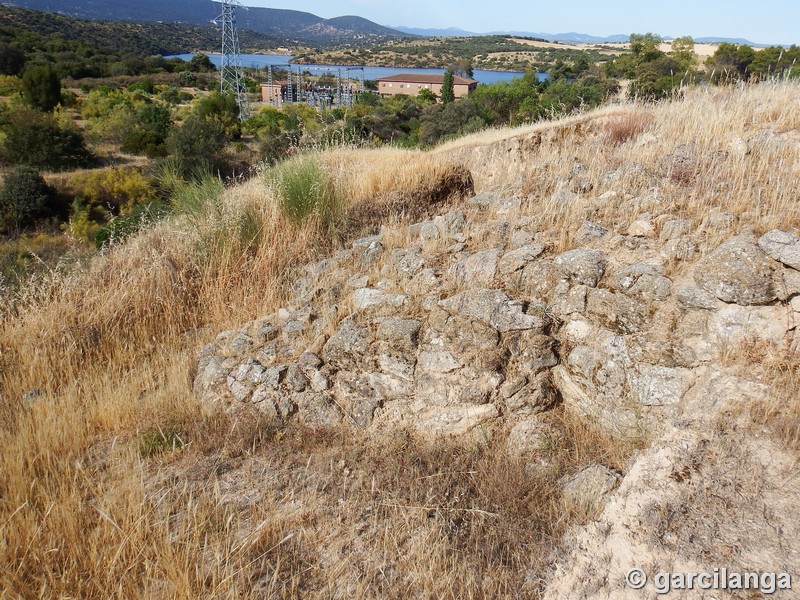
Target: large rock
660 386
738 272
517 259
617 311
346 347
591 486
644 281
477 269
782 246
494 308
582 266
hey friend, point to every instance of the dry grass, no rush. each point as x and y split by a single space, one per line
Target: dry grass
731 150
778 414
83 514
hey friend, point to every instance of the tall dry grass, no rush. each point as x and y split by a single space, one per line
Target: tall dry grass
240 509
731 149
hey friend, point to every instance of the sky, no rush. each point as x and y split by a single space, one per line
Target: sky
760 21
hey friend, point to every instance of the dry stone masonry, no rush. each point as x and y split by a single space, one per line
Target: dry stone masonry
476 321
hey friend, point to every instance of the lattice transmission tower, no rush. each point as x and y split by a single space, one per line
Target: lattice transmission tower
230 74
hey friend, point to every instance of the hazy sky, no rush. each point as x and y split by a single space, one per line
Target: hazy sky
762 21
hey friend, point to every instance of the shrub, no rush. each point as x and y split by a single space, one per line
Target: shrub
222 108
12 60
187 79
197 144
304 190
24 197
41 87
149 131
39 141
118 191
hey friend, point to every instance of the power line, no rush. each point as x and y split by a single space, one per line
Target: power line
230 73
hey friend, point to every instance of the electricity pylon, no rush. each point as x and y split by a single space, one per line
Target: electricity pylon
230 72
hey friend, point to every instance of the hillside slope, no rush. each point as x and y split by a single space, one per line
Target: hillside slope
518 365
291 26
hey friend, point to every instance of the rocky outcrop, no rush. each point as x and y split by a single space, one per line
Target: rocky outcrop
446 334
480 325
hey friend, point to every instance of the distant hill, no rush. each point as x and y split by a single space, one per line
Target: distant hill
550 37
449 32
128 36
717 40
290 26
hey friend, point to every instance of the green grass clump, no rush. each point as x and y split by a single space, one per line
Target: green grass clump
158 441
305 190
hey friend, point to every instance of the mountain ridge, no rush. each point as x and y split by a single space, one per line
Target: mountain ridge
571 36
291 26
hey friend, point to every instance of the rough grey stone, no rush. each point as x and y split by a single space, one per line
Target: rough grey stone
643 281
660 386
438 361
517 259
399 333
592 485
617 311
364 243
477 269
537 395
317 410
691 297
347 345
540 278
738 272
591 231
582 266
494 308
782 246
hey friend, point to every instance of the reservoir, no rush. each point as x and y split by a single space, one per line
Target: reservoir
258 61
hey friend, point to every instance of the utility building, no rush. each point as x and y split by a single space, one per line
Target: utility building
412 84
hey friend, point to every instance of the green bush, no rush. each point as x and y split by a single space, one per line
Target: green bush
223 109
41 87
12 60
197 144
39 141
149 132
24 197
115 191
304 190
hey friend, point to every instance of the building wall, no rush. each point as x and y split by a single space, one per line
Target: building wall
271 94
395 88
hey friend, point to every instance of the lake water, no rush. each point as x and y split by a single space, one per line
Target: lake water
263 60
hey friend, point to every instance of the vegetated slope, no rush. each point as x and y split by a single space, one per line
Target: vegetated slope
290 25
145 38
647 381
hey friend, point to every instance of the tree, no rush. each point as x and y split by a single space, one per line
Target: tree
41 87
24 197
448 87
39 141
12 60
645 46
427 96
683 50
200 63
222 108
